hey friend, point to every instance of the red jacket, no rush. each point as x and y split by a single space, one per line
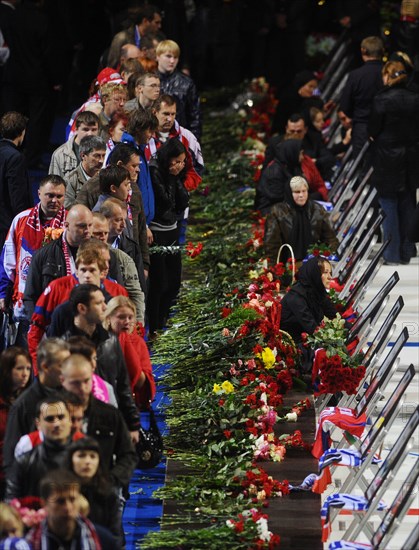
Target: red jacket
137 359
313 177
57 292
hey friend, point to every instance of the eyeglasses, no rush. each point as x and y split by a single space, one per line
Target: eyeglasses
152 85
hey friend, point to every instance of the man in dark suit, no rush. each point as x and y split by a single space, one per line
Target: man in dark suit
15 190
360 89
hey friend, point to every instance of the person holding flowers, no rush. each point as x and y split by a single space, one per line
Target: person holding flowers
307 302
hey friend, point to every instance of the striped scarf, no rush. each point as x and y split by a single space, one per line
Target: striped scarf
70 265
31 240
343 501
337 457
88 540
347 545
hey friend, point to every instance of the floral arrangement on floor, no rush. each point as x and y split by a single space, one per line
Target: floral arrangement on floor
230 366
335 370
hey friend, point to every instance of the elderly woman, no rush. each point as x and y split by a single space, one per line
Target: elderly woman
394 129
289 161
297 221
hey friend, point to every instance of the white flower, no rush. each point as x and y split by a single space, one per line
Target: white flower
263 531
291 417
230 524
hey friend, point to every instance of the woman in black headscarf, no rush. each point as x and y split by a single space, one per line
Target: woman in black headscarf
297 98
276 175
307 302
297 221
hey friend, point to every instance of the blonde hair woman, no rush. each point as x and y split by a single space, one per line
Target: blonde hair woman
120 318
394 130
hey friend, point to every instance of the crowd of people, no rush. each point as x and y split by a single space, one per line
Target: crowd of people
85 271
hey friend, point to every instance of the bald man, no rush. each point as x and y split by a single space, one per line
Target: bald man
57 258
102 421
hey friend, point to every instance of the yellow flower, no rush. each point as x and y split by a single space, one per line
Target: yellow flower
253 274
268 358
216 388
227 386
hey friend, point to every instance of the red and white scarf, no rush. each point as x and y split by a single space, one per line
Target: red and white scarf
31 240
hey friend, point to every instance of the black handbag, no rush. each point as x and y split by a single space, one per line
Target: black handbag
150 446
8 330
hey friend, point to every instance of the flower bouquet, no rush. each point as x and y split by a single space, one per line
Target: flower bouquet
321 249
30 510
334 369
52 234
335 374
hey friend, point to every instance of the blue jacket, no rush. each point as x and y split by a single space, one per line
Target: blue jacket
144 179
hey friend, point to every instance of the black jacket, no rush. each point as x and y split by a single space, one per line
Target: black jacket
312 145
48 263
169 195
359 91
104 510
183 89
131 247
29 468
106 425
394 125
301 312
15 189
21 418
278 227
110 366
89 195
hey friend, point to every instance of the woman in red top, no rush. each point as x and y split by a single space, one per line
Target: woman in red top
15 375
120 319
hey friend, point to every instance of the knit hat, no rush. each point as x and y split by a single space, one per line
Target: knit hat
109 75
303 77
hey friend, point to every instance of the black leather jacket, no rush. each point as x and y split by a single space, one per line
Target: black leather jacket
29 468
183 89
21 418
278 228
106 425
110 366
169 202
48 263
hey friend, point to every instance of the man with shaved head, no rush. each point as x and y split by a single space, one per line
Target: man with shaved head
102 421
57 258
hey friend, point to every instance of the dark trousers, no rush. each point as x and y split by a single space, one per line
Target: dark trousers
399 211
164 279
